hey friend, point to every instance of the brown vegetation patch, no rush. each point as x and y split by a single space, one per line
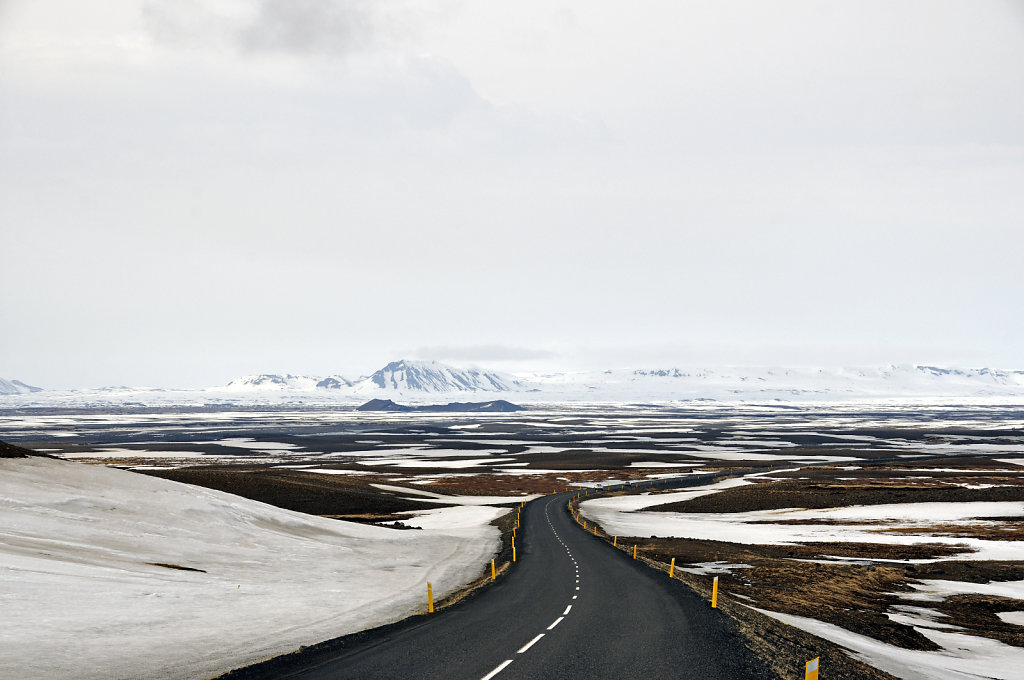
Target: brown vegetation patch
12 451
777 495
312 493
978 615
992 531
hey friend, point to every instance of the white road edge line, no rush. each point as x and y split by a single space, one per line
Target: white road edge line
566 610
497 670
529 644
557 621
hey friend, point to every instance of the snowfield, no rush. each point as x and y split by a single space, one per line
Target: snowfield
90 563
625 516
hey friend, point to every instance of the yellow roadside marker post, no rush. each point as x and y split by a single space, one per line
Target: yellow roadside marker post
584 526
714 594
672 568
595 530
634 552
513 548
615 541
811 669
430 599
494 575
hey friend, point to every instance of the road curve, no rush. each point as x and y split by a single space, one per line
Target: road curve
571 607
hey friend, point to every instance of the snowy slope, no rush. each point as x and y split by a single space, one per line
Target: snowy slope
83 596
17 387
433 377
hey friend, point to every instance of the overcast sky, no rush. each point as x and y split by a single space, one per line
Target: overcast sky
191 190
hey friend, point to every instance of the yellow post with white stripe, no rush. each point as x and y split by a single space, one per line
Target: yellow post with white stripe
714 593
494 574
430 598
811 669
672 568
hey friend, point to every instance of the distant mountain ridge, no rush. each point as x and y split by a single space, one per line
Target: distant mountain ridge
286 381
17 387
412 378
425 381
403 376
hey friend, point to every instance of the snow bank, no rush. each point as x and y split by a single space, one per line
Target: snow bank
83 597
962 657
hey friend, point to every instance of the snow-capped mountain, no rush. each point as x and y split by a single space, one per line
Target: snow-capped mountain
432 377
17 387
285 381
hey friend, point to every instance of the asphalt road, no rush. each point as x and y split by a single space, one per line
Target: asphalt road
571 607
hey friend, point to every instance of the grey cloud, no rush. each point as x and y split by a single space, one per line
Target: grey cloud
484 353
309 27
298 27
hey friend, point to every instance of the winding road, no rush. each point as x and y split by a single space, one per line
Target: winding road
571 607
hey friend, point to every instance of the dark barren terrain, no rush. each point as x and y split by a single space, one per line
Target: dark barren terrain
328 462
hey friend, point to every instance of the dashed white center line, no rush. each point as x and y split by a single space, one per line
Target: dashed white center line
575 596
529 644
497 670
557 621
566 610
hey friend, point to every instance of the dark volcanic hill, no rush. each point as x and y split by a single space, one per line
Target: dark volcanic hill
496 406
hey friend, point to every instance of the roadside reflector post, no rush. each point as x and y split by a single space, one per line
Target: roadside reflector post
584 526
811 669
615 541
595 530
634 552
494 575
430 599
513 552
714 593
672 568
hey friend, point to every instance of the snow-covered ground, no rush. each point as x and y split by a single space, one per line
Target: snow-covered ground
625 516
82 594
962 657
